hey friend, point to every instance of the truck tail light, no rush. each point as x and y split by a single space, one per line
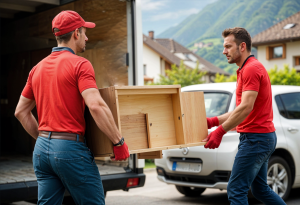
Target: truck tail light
132 182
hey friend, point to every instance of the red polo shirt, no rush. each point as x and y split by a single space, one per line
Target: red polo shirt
253 76
56 84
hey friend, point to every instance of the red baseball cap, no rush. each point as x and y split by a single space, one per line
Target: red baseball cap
67 21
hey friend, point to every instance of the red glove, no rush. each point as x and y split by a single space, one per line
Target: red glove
212 122
215 138
121 152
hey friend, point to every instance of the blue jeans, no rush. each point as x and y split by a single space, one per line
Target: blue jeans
65 164
250 169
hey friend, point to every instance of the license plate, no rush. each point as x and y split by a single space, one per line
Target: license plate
186 167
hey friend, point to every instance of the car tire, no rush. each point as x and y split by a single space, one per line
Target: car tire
190 191
278 166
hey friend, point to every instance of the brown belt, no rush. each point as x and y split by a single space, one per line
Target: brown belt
61 135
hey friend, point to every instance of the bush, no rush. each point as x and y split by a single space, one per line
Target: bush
285 76
222 78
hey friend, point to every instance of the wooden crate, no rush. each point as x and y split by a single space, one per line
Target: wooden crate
151 118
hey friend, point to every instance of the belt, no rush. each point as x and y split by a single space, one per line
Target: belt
61 135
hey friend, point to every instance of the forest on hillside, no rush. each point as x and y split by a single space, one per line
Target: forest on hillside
207 25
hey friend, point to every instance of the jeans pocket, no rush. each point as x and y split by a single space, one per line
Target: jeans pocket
37 165
71 171
263 151
245 143
248 141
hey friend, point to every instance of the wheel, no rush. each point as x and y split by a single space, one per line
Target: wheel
190 191
279 176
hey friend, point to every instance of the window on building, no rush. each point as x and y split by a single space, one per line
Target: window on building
297 60
276 52
145 69
288 26
289 105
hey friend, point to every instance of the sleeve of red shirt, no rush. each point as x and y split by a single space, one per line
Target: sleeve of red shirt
27 91
86 76
251 78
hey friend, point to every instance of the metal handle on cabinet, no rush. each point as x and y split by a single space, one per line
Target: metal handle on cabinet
292 129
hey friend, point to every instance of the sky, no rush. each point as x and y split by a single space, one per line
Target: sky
159 15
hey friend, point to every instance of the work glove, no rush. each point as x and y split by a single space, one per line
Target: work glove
214 138
121 152
212 122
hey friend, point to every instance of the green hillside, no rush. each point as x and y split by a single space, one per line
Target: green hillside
196 25
208 24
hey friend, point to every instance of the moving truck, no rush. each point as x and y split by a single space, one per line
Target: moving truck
115 51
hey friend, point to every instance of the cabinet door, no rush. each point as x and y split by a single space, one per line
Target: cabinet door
193 117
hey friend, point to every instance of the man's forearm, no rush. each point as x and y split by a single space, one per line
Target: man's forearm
236 117
105 121
30 124
24 115
224 117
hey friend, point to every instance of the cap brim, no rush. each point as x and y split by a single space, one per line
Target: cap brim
89 25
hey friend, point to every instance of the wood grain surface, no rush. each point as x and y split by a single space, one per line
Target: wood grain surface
134 131
194 117
160 115
150 155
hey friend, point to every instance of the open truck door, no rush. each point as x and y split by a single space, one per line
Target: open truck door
115 51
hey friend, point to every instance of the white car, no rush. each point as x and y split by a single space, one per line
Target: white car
194 169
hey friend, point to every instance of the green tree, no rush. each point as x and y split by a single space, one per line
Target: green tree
222 78
285 76
181 76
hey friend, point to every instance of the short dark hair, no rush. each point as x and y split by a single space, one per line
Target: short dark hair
65 38
240 35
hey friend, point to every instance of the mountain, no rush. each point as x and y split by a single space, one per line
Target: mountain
196 25
254 15
207 25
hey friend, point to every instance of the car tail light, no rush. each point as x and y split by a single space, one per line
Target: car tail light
132 182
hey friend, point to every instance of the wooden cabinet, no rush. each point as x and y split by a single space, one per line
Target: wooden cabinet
151 118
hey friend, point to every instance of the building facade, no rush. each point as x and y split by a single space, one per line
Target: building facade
280 44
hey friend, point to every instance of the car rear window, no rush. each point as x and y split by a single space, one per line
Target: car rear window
216 103
289 105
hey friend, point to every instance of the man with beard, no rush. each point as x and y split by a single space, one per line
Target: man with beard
253 119
60 86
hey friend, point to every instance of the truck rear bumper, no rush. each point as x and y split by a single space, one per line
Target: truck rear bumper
21 191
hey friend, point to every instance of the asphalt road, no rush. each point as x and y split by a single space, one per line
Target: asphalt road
156 193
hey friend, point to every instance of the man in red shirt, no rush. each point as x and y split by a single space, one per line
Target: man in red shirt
60 86
253 119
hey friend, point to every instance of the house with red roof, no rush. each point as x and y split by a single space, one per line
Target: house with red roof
280 44
160 53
